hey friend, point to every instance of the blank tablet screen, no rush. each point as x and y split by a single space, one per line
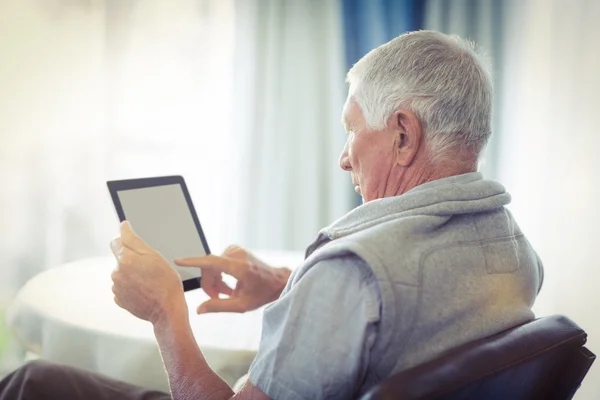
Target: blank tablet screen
161 217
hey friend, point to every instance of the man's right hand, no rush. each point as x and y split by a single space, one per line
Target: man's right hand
257 283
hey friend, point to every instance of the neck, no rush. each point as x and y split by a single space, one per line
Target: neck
423 170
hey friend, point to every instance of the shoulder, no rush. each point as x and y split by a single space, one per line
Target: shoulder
336 277
346 266
321 329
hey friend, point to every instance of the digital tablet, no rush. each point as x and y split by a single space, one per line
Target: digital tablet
161 212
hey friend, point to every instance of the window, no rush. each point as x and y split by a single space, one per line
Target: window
103 90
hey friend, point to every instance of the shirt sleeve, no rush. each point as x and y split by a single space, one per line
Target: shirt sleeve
317 337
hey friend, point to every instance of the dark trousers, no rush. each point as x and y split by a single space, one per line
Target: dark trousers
48 381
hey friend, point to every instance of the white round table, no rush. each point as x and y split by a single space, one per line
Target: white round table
67 314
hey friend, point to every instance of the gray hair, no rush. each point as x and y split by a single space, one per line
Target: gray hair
445 80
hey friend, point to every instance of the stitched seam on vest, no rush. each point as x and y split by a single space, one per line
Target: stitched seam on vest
415 317
381 266
474 225
480 242
424 256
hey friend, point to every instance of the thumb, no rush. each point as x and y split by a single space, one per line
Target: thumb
130 239
222 305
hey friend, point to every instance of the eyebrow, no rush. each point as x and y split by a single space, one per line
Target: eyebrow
347 126
343 121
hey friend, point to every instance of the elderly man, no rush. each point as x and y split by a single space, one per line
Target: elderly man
430 261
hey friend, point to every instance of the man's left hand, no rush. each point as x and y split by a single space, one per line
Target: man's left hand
143 283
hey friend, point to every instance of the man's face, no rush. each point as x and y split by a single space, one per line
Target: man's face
368 155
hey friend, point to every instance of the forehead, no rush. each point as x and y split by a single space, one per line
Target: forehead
351 114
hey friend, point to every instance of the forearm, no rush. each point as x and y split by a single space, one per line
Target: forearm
190 377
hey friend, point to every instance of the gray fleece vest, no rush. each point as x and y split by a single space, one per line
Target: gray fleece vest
451 263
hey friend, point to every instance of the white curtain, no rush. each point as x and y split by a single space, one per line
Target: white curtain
106 89
243 98
548 156
546 138
288 99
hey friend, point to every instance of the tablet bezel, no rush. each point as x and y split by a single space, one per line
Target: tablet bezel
140 183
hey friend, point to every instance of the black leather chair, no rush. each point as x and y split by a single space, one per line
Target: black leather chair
542 359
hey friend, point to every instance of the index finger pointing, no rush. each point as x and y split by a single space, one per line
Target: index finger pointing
210 261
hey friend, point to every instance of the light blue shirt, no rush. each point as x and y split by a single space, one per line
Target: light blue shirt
394 283
317 337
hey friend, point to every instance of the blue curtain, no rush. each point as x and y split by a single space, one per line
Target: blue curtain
370 23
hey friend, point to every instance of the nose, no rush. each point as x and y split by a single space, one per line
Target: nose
344 160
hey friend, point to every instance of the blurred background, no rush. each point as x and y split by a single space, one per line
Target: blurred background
243 98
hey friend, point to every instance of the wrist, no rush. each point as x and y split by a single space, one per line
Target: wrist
282 275
172 311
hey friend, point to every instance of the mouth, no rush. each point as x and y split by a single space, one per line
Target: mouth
356 186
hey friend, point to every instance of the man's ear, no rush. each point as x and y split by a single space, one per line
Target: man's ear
408 136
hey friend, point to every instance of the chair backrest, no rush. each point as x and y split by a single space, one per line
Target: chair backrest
542 359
